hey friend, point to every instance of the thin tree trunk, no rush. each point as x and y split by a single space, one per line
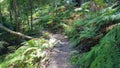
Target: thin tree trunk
28 21
0 14
31 17
10 13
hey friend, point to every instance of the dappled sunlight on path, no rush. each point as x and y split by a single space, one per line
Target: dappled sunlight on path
60 54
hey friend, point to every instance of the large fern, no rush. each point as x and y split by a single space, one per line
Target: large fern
28 56
104 54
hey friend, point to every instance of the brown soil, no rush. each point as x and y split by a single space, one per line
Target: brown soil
60 54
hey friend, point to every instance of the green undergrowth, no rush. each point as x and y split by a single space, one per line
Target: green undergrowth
103 54
90 26
30 55
54 17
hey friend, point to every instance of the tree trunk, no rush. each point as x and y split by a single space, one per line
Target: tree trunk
16 15
0 14
31 17
10 11
10 14
15 33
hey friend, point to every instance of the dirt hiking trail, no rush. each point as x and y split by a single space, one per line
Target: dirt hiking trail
60 54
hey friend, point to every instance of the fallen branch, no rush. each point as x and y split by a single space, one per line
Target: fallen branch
15 33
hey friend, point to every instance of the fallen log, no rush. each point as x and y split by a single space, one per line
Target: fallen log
15 33
85 44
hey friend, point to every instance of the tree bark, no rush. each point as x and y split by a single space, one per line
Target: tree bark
31 17
15 33
16 14
0 14
10 14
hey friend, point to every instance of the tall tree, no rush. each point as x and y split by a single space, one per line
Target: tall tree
10 10
31 13
0 13
16 14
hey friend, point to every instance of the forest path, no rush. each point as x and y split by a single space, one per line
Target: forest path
60 54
